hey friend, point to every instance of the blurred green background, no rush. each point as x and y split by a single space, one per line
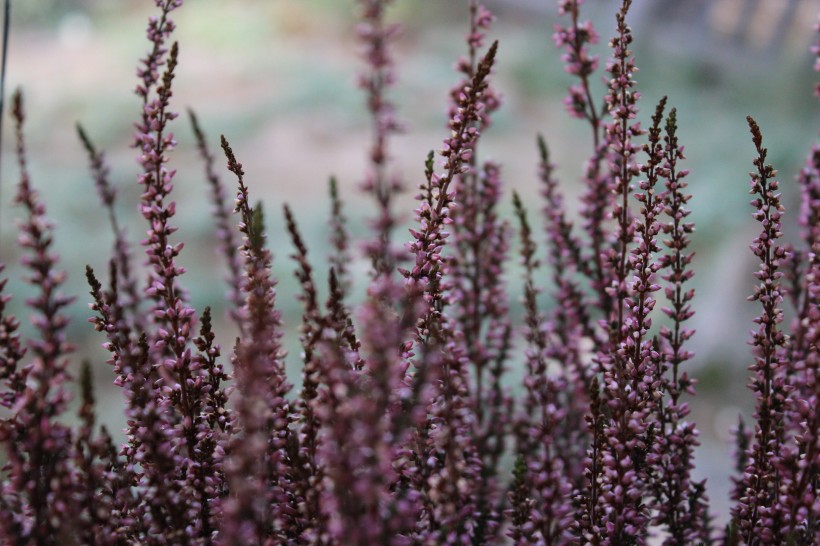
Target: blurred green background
277 77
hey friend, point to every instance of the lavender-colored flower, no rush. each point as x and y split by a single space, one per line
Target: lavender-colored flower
578 61
183 372
802 465
96 462
12 352
366 498
480 238
621 131
477 290
801 451
597 199
680 502
261 453
399 432
453 464
339 240
480 21
122 249
757 514
40 478
376 37
570 322
437 198
619 481
545 463
150 466
314 376
449 460
224 230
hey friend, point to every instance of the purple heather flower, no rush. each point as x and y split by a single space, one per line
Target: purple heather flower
122 249
314 374
364 499
224 230
448 460
376 37
477 290
172 390
39 478
757 515
544 461
575 39
339 240
680 502
260 452
399 432
437 198
597 200
801 453
12 352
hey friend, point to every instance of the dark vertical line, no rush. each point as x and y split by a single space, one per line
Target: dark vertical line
6 13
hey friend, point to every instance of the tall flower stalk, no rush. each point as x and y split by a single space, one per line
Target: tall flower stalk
224 230
680 502
376 37
756 515
261 453
122 249
38 446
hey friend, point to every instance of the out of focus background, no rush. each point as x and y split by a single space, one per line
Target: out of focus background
278 78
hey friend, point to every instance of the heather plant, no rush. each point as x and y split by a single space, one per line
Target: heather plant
403 430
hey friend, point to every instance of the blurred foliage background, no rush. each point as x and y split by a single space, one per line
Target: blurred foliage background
277 77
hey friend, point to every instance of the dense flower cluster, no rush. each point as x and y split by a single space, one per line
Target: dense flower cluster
403 432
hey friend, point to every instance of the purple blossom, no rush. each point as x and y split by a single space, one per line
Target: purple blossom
680 502
757 515
376 37
40 477
545 471
339 240
403 431
224 230
260 453
477 286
